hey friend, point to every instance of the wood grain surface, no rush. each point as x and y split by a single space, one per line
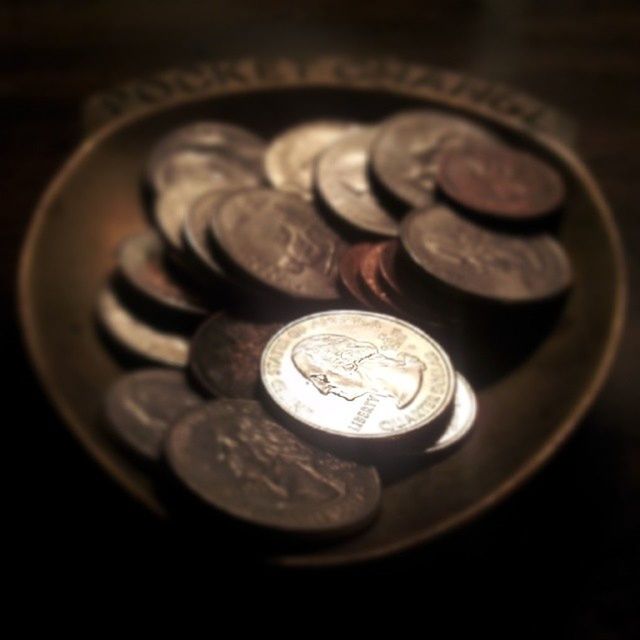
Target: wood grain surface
574 529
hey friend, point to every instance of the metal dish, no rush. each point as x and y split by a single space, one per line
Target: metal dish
94 201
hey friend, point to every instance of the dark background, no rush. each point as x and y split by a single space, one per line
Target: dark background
562 552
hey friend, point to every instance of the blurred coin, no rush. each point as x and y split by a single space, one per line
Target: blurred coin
501 182
225 355
360 376
233 456
196 230
138 337
370 273
141 406
388 268
216 154
465 408
343 184
405 155
349 268
143 264
498 266
278 239
290 158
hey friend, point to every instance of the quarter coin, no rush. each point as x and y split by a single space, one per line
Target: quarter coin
359 375
406 153
141 406
290 158
235 457
138 337
216 154
494 265
278 239
342 182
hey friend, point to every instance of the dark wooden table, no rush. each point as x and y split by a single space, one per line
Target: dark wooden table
567 544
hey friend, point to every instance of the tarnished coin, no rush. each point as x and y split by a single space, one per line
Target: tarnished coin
138 337
233 456
350 272
141 406
501 182
196 230
388 268
476 260
465 408
359 375
290 158
405 155
342 182
370 273
216 154
225 355
143 264
278 239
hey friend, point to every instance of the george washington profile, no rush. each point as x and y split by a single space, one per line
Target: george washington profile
350 368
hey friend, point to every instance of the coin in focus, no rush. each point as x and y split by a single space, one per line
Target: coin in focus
235 457
501 182
290 158
214 154
142 263
278 239
136 336
141 406
359 375
498 266
343 184
225 355
406 153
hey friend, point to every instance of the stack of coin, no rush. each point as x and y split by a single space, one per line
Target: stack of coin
302 290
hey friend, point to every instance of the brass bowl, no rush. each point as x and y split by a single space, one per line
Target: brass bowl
94 201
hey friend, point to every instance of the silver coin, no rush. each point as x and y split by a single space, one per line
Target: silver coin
216 154
279 240
137 336
406 153
290 158
342 182
236 458
358 375
465 408
196 230
143 264
171 208
141 406
504 267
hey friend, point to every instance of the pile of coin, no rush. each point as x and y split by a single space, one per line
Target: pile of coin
291 291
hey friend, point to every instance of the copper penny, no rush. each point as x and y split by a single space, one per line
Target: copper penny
501 182
225 355
370 273
350 273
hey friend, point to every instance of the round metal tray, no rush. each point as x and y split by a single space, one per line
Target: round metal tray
94 201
